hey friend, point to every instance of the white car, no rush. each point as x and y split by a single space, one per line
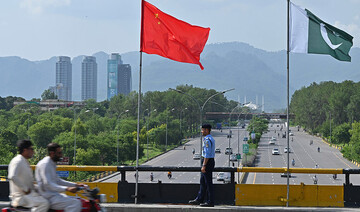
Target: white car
286 150
218 150
273 138
291 134
275 151
271 142
228 151
223 176
196 156
233 157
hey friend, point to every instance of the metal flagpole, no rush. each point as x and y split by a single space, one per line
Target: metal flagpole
287 110
139 109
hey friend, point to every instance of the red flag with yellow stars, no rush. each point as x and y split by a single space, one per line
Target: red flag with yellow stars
169 37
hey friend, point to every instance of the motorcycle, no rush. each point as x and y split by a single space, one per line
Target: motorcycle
334 176
315 179
318 149
90 204
169 175
293 162
151 177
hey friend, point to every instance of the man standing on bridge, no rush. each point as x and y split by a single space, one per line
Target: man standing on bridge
208 164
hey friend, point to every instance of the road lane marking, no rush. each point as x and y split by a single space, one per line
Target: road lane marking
254 178
342 160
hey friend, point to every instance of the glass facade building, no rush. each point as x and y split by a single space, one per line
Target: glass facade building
119 76
89 78
64 78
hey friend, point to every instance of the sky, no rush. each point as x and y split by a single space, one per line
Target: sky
40 29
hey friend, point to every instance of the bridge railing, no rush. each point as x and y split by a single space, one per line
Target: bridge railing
243 194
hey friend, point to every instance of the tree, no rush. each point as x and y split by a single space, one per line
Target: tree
42 133
341 134
48 94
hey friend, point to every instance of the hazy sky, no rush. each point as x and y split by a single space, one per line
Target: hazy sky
40 29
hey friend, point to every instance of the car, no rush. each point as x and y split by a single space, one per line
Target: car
275 151
285 175
228 151
223 176
271 142
286 150
196 156
218 150
245 139
273 138
291 134
233 157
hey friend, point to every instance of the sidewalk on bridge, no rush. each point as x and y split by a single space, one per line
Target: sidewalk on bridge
117 207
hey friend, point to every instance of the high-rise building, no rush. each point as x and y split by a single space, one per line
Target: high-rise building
89 78
119 76
64 78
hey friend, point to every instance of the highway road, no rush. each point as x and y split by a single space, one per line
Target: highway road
305 155
181 157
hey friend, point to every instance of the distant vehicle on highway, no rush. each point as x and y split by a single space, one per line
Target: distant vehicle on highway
223 176
218 150
196 156
228 151
233 157
286 150
245 139
285 175
275 151
271 142
291 134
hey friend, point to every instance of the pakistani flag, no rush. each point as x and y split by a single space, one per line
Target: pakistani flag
309 34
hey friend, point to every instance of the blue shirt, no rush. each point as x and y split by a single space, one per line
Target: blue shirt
208 147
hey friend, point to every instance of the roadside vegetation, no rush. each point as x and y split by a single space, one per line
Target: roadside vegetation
319 106
100 126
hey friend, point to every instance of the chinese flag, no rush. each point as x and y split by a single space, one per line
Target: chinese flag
169 37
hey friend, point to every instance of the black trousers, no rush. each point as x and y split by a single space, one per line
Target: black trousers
206 193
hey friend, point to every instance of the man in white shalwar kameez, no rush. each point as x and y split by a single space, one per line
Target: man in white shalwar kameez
20 175
51 185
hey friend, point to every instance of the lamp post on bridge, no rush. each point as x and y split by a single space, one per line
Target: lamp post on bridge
117 137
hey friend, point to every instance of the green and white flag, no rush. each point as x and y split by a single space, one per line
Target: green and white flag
309 34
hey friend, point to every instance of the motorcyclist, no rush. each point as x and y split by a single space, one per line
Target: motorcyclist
334 176
292 139
193 151
169 175
184 147
318 149
151 177
293 162
315 179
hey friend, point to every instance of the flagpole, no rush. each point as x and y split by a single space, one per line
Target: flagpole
287 110
139 109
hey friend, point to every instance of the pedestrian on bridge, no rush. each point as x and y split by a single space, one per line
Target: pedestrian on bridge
205 197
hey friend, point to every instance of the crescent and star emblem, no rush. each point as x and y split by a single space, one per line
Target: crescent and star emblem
325 36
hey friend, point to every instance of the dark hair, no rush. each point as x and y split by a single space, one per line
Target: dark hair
206 126
52 147
23 144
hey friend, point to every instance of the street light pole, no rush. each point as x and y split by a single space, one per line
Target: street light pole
201 108
117 137
180 120
330 126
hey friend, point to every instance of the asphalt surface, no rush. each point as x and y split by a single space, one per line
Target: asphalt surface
305 155
184 157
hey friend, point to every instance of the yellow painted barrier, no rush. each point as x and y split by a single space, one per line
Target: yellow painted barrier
110 189
291 170
300 195
83 168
